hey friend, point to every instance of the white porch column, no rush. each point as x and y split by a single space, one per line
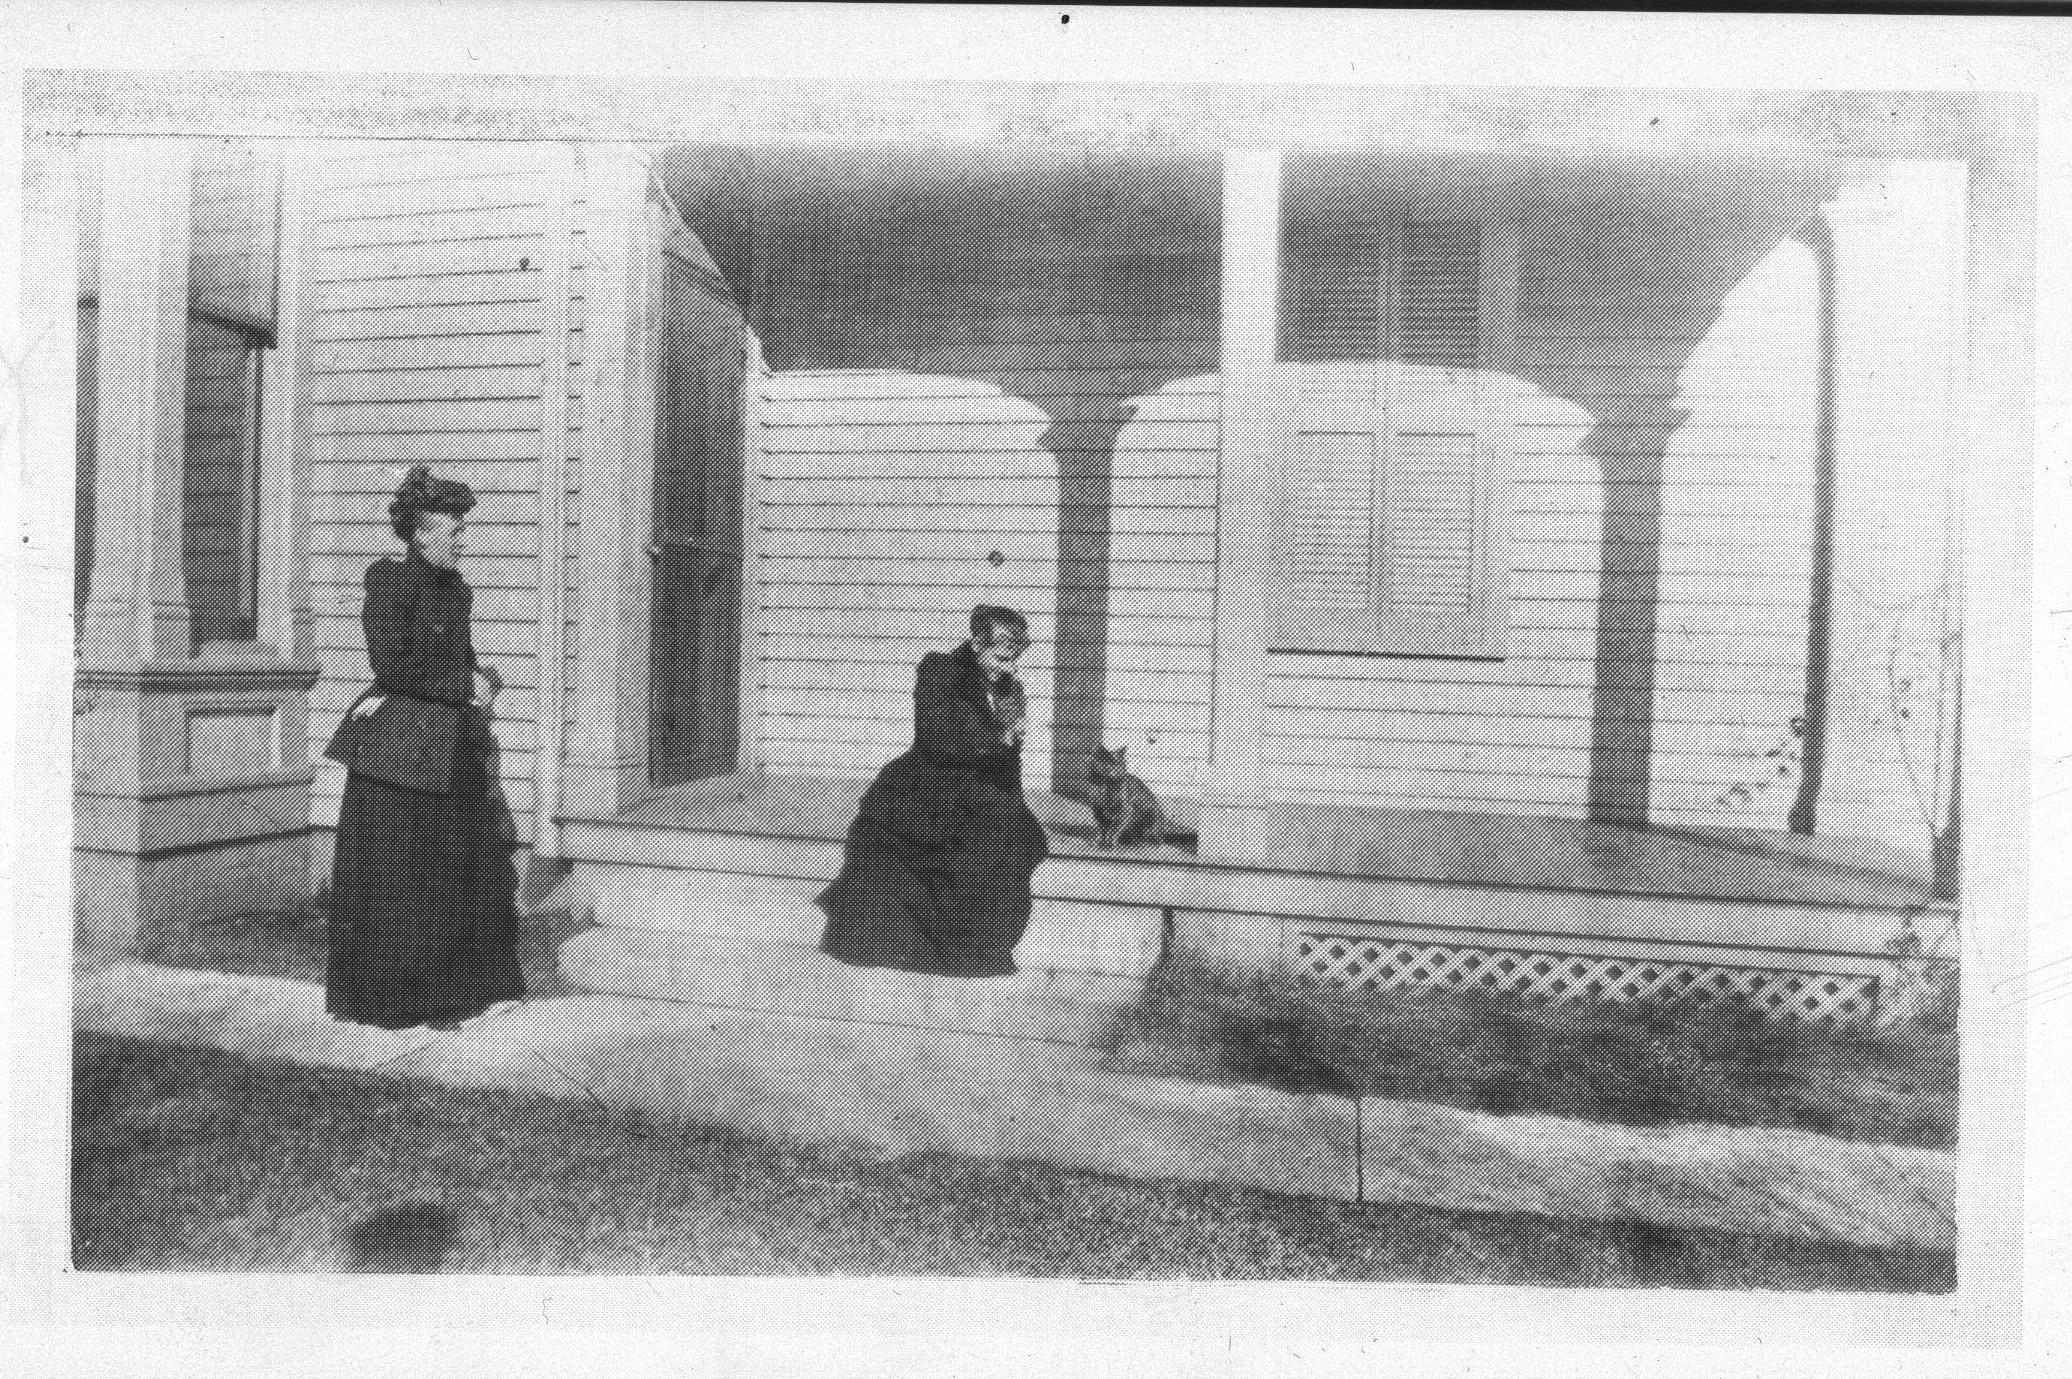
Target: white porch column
1886 699
605 768
1997 452
136 608
286 623
552 652
1233 818
191 779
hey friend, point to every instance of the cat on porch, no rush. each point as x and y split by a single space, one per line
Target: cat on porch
1124 809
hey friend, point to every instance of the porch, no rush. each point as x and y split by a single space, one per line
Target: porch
1551 713
1640 488
1376 897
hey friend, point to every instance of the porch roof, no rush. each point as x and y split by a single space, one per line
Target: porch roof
1663 122
1427 846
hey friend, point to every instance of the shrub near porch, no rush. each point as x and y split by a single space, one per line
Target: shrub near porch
1640 1063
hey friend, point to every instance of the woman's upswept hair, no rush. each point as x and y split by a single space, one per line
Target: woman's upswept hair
988 618
420 493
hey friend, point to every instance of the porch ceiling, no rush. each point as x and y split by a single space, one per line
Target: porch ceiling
875 194
938 260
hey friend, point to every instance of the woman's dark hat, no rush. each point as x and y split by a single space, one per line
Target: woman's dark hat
421 493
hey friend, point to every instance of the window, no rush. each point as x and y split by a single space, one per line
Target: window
232 272
83 440
221 501
1388 537
85 418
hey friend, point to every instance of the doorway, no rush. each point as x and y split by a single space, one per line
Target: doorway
700 376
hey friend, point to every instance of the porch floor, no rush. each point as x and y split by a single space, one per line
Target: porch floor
1400 845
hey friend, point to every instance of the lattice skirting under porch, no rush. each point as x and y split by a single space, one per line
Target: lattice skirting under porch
1367 962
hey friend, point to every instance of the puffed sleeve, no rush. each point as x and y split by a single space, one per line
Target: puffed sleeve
948 727
394 649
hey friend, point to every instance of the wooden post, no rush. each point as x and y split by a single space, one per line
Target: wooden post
1877 725
605 769
555 302
1998 458
136 610
191 784
1818 236
1233 819
285 621
1995 492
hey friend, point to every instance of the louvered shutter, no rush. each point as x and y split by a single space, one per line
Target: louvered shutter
233 261
1390 537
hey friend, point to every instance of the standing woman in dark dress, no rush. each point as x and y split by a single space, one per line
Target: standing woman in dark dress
936 874
423 918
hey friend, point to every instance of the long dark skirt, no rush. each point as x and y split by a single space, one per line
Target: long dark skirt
957 910
423 919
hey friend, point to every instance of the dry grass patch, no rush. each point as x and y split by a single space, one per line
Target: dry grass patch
293 944
1635 1064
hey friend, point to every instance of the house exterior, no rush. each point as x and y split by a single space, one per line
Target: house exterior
1491 552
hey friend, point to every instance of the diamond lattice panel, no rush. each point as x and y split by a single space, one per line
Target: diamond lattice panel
1377 964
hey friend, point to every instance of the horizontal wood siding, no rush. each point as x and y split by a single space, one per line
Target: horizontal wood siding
872 544
433 294
884 498
962 363
1657 381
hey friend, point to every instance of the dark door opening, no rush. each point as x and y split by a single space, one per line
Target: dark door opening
695 694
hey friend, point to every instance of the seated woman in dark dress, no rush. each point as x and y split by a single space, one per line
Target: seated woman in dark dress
937 870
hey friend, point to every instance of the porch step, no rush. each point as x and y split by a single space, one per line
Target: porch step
761 912
739 942
791 979
753 910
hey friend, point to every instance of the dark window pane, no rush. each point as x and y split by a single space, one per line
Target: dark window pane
221 514
83 450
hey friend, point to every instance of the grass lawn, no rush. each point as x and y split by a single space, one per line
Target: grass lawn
194 1159
1637 1064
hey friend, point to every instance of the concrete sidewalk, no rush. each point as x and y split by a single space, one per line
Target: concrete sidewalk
887 1090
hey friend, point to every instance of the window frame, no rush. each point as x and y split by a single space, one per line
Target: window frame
212 626
234 283
1482 631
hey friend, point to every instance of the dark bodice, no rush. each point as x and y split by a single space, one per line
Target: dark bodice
423 654
961 773
418 639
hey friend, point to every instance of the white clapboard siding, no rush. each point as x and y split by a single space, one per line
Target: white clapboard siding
1182 579
433 295
844 488
1733 499
491 306
885 499
1144 603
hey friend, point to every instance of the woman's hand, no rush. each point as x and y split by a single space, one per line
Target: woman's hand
1014 711
486 690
